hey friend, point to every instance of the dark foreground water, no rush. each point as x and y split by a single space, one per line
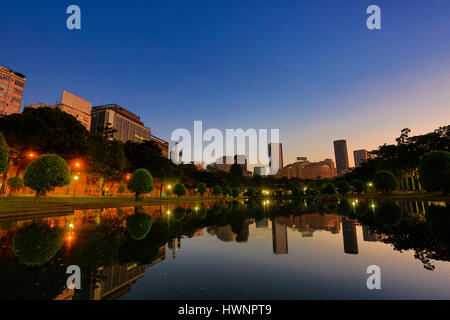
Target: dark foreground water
262 249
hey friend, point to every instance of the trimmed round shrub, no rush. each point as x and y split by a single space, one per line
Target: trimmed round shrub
4 154
141 182
217 191
15 184
330 188
139 225
179 214
385 181
201 213
296 192
344 207
46 173
37 243
343 187
216 209
357 186
332 207
227 191
361 210
389 214
179 189
201 188
434 171
235 192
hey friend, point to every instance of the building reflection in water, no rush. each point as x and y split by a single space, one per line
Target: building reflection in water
349 236
225 233
116 281
263 223
369 234
307 224
279 236
175 246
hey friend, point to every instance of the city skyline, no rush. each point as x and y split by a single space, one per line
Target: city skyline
313 70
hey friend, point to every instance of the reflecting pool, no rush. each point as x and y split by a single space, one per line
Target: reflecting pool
252 249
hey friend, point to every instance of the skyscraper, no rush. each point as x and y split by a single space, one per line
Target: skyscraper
279 237
360 156
11 91
340 152
275 158
349 236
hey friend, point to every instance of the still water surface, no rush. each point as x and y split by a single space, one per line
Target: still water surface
263 249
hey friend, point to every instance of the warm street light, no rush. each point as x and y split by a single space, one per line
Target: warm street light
169 187
76 178
31 155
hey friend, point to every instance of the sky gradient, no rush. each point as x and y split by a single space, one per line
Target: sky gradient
310 68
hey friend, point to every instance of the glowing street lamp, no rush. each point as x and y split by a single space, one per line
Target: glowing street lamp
31 155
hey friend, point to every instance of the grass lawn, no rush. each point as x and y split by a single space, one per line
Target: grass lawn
10 206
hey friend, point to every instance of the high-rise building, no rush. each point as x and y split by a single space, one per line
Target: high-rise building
360 156
340 152
128 126
275 158
279 237
259 171
12 85
349 236
224 163
73 105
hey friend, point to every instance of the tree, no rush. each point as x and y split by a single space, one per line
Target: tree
4 160
236 170
46 173
139 225
4 154
330 188
343 187
250 192
201 188
141 182
106 159
43 130
296 191
217 191
179 213
235 192
358 186
389 213
434 171
149 156
37 244
385 181
179 189
15 184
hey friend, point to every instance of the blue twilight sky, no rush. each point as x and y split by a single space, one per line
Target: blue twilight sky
310 68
